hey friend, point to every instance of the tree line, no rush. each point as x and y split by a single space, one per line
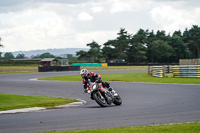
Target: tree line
143 47
146 47
0 46
9 55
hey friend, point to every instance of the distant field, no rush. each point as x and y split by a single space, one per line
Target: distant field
18 69
34 68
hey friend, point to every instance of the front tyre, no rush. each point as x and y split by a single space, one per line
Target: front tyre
117 100
99 99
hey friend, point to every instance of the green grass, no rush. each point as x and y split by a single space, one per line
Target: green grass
130 77
8 101
175 128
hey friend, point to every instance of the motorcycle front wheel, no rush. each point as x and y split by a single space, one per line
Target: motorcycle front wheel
117 100
99 99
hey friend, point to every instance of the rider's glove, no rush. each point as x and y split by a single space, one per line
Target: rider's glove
98 80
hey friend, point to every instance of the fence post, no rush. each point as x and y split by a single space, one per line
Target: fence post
164 70
149 70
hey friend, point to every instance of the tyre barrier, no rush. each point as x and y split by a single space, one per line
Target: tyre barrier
191 71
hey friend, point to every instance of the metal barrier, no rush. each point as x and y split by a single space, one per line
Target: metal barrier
87 64
90 64
192 71
159 71
58 68
156 71
186 71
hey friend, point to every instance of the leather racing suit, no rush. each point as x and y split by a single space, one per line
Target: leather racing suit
94 77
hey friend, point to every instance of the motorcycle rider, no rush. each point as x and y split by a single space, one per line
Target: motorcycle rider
94 77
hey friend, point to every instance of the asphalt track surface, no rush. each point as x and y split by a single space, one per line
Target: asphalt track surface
143 104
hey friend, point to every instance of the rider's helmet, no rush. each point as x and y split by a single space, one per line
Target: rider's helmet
84 73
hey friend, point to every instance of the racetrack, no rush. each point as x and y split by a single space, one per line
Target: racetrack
143 104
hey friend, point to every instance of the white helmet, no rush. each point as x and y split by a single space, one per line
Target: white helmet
84 73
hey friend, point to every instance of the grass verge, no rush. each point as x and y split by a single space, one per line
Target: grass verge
9 102
116 68
130 77
175 128
34 68
18 69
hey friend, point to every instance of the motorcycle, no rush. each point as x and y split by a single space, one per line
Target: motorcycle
102 95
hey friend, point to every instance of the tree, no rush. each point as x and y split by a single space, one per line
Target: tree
122 43
20 56
0 46
69 56
82 55
94 51
46 55
8 56
0 42
192 39
109 52
160 35
147 46
137 49
155 42
179 48
161 51
151 37
137 53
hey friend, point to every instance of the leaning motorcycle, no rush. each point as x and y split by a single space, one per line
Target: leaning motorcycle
102 95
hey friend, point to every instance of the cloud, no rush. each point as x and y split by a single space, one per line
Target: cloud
99 36
43 24
124 5
172 18
84 16
36 29
97 9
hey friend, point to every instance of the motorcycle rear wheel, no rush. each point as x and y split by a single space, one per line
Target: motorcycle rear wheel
118 100
98 98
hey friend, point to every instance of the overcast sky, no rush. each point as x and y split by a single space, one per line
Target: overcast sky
43 24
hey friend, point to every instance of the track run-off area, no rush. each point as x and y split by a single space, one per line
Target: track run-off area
143 104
